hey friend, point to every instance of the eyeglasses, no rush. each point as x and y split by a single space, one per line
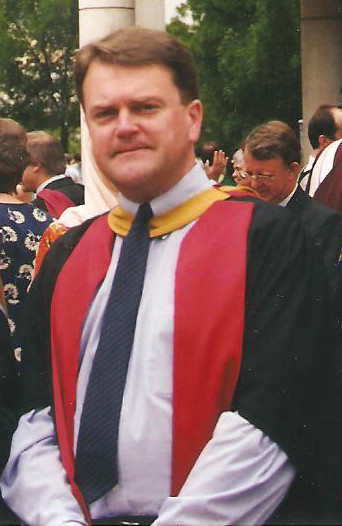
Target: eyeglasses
244 175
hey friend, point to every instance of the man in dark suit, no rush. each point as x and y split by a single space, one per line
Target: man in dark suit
45 175
272 157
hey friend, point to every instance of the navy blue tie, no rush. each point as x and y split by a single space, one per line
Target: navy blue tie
96 470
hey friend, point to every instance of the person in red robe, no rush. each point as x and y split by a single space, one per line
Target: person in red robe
231 373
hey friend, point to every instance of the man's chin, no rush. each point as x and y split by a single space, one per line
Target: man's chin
265 197
127 178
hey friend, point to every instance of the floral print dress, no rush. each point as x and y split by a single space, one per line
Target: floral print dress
21 227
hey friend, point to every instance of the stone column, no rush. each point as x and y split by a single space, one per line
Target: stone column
321 42
150 14
98 18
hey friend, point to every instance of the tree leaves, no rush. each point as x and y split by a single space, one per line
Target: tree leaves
38 39
247 53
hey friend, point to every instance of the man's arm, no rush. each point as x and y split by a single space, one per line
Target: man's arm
281 369
240 477
34 483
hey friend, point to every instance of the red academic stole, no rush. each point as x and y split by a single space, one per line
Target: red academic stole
208 328
56 202
329 192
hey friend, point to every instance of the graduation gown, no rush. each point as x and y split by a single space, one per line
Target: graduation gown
275 315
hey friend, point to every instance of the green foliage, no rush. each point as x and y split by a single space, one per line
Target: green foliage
247 53
38 39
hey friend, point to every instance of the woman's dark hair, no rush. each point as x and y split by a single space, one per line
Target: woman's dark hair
13 154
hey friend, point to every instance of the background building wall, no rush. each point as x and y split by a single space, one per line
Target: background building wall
321 55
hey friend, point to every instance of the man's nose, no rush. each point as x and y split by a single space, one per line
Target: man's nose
125 124
255 183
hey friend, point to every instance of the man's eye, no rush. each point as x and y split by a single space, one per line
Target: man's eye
106 113
145 108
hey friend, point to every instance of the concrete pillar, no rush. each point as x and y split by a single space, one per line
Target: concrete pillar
98 18
321 42
150 14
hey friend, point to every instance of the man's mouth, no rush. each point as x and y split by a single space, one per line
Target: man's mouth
129 149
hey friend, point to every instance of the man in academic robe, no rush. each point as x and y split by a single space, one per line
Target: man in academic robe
324 127
321 178
226 393
326 177
45 175
272 156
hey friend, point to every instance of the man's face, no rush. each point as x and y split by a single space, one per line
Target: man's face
278 182
142 134
238 168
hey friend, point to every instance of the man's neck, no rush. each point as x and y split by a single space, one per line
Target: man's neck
285 201
194 182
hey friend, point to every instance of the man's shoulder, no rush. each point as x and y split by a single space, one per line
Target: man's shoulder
62 181
324 211
60 251
65 184
326 160
70 239
269 224
307 205
264 213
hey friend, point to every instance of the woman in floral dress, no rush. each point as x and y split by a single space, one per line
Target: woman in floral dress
21 227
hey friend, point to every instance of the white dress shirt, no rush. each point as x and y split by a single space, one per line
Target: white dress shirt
323 166
288 198
48 181
241 475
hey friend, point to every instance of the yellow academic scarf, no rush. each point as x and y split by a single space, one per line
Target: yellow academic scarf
120 221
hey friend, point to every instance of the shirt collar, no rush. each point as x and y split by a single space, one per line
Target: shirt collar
48 181
190 185
287 199
310 163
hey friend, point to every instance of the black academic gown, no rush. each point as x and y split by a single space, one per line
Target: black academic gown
74 191
289 373
324 226
9 406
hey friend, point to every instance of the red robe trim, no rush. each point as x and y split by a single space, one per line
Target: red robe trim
211 271
329 192
70 302
207 278
56 202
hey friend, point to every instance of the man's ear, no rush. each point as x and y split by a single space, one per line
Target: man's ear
195 119
294 168
323 141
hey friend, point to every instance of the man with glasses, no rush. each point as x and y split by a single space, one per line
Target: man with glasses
272 158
